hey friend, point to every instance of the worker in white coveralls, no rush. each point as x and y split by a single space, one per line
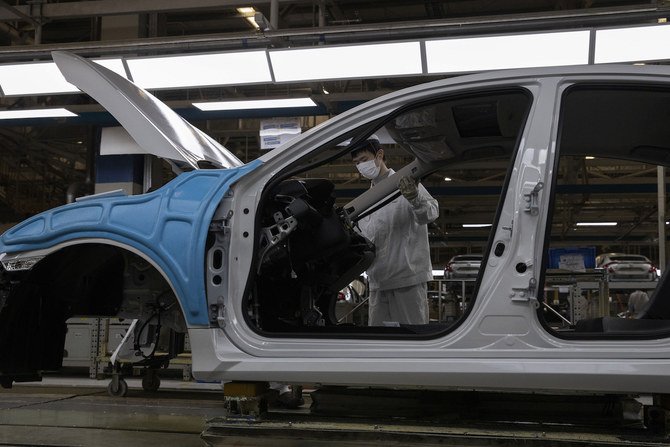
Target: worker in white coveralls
637 303
401 268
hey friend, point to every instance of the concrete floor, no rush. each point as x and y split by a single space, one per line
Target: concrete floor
67 411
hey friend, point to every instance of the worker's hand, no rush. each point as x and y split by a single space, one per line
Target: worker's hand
408 188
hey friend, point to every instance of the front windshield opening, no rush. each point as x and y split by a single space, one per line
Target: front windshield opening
358 242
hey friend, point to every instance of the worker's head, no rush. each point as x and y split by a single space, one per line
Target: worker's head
368 156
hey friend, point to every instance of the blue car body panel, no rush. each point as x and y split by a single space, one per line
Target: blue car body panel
168 225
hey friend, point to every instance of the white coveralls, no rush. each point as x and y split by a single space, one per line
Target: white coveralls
637 303
398 275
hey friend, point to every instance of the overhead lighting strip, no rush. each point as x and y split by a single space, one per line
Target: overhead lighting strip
508 51
44 78
255 104
35 113
346 62
453 55
596 224
641 43
200 70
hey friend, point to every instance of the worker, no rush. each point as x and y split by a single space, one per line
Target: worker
401 269
637 303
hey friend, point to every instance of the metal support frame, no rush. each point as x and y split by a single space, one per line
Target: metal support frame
332 34
99 336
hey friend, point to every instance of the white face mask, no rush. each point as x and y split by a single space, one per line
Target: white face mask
368 169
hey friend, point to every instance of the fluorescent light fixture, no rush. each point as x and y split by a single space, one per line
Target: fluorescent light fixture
596 224
249 12
255 104
589 157
641 43
476 225
353 61
38 78
243 67
511 51
35 113
447 179
44 78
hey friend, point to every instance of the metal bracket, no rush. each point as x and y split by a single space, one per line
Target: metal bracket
532 202
526 294
509 228
221 224
217 313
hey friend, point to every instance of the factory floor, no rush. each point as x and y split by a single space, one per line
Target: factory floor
77 411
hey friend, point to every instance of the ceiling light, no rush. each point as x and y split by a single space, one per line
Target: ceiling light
43 78
352 61
242 67
447 179
33 79
510 51
596 224
640 43
476 225
35 113
253 22
589 157
255 104
249 14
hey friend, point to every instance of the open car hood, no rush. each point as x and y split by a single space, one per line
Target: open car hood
153 125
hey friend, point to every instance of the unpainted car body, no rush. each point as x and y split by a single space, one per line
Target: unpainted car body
249 259
622 267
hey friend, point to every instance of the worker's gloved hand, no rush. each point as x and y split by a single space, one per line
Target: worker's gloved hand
408 188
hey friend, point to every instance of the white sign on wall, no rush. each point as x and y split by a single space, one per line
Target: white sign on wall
277 131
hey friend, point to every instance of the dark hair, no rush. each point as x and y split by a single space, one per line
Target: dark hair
370 145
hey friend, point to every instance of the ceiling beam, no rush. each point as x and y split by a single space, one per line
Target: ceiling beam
71 10
303 36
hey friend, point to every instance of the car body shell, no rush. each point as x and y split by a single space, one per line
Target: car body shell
499 344
625 267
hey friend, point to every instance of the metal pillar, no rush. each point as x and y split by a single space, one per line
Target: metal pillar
274 14
661 218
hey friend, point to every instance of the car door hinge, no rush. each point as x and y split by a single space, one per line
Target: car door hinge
525 294
531 198
221 224
217 313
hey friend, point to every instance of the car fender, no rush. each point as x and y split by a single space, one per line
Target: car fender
168 226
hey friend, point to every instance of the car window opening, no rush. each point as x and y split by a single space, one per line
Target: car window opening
612 139
311 262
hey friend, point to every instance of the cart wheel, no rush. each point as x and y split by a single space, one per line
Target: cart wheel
118 389
151 382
